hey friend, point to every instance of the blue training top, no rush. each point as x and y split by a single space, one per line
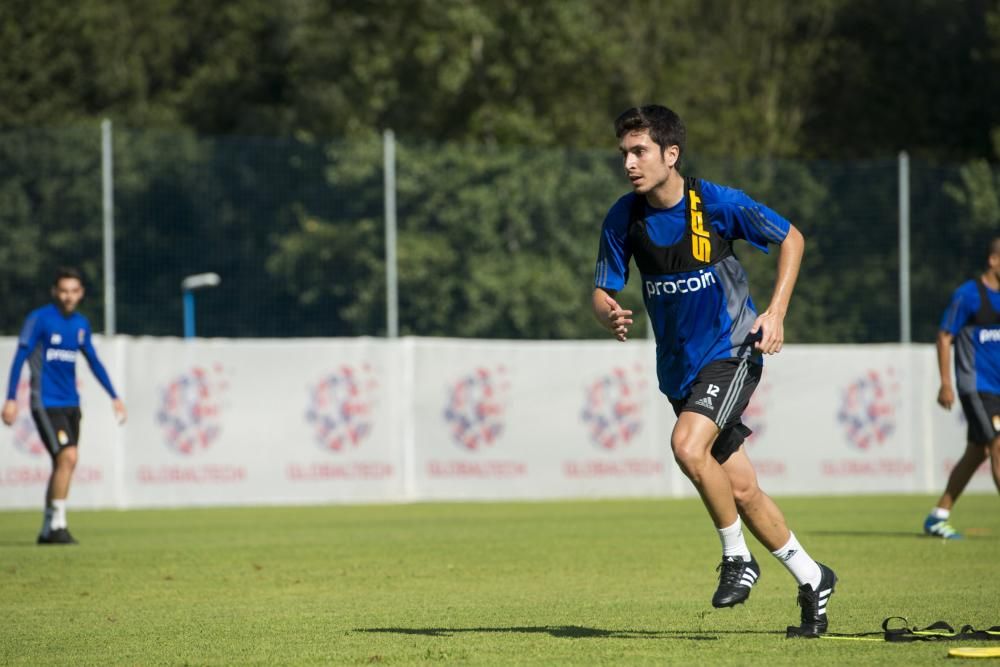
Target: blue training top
977 343
702 315
51 340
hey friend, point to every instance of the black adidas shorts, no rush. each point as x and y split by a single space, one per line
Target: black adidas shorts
982 412
721 392
58 427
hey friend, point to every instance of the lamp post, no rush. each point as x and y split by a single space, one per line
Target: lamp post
188 286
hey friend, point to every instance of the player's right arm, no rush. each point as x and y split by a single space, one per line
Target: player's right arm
611 272
946 394
609 314
954 318
25 344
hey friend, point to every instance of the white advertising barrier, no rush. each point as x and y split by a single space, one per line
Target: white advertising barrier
846 419
833 419
229 422
513 420
234 422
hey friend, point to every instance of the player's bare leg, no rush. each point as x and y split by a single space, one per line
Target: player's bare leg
761 515
766 521
963 471
936 524
994 450
54 531
691 442
62 474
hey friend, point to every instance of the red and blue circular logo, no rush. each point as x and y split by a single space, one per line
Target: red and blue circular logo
476 407
190 409
340 407
612 408
868 409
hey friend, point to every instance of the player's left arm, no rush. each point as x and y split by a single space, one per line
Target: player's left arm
772 320
743 218
97 368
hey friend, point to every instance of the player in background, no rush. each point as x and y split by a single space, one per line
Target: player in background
50 340
972 324
709 338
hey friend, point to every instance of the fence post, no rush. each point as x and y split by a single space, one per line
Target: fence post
904 247
391 287
108 204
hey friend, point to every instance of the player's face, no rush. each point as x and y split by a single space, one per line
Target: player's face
68 293
646 165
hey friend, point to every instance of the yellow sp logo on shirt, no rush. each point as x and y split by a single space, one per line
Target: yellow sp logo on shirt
701 245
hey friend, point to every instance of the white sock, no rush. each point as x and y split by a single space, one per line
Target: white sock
803 568
47 522
733 543
58 514
940 513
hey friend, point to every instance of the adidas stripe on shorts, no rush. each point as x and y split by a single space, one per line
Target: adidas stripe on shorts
721 392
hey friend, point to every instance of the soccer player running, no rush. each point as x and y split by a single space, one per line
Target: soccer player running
709 338
972 324
51 338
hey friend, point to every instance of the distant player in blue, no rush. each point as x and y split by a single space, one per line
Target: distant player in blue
709 338
972 324
52 337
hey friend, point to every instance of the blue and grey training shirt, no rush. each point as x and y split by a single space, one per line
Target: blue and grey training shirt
695 290
50 342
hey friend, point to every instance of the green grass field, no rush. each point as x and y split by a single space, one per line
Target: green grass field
600 582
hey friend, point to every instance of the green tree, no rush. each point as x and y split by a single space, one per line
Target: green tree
507 166
50 203
494 242
915 75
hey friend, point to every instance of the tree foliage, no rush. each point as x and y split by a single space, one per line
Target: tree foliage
248 143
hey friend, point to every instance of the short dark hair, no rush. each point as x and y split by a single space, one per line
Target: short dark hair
994 248
665 127
65 272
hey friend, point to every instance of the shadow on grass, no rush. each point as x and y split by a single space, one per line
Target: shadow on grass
575 632
865 533
972 534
